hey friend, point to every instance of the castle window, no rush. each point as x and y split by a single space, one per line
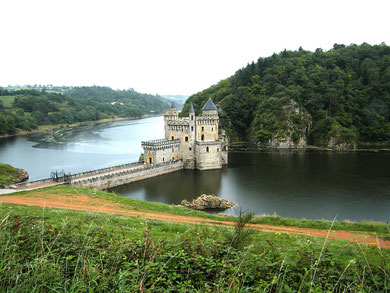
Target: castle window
173 158
202 138
173 137
186 138
190 149
192 117
217 150
212 128
173 150
192 128
202 128
207 149
163 159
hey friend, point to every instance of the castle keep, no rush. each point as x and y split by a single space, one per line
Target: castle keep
197 140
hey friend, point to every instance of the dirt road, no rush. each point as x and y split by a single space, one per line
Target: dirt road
85 203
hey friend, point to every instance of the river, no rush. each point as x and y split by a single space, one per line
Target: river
312 185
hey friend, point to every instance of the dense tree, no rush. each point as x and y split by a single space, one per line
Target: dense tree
346 91
31 107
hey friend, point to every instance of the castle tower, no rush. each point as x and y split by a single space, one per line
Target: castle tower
208 147
194 139
207 124
169 116
192 117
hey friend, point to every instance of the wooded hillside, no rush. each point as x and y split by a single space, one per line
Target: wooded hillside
26 109
340 97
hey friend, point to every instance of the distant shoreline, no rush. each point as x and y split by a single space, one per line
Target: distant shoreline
50 128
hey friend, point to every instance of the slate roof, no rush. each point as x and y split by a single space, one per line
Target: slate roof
191 109
209 106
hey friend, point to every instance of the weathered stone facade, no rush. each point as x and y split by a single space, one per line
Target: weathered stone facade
199 141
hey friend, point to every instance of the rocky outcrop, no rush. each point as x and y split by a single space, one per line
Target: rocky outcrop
208 201
22 176
281 124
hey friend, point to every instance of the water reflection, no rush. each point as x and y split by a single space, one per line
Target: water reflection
316 185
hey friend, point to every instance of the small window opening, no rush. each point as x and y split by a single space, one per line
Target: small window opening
202 137
207 149
212 128
163 159
202 128
173 137
192 128
173 150
190 149
192 117
186 138
217 150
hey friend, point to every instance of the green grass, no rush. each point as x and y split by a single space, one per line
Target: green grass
316 148
381 229
8 174
52 250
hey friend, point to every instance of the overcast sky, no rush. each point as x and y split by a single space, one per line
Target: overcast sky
169 47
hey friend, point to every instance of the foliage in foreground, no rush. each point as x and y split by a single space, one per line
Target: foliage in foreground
85 256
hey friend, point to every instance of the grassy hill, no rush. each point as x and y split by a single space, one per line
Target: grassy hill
50 249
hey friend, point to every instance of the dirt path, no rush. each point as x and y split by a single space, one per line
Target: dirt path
85 203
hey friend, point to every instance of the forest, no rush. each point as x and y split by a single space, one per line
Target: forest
340 96
26 109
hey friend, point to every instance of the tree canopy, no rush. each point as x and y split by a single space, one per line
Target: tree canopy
26 109
345 90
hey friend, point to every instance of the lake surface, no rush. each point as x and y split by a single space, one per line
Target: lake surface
313 185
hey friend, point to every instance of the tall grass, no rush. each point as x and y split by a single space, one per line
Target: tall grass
86 256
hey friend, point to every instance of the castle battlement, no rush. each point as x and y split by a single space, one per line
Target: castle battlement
194 139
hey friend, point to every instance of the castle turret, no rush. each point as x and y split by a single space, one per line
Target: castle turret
192 117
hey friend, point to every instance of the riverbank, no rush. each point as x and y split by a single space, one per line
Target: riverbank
245 147
10 175
50 128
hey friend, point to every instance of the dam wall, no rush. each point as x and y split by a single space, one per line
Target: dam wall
122 176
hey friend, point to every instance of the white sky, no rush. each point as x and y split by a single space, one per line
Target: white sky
169 47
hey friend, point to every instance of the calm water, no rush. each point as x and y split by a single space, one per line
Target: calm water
314 185
87 148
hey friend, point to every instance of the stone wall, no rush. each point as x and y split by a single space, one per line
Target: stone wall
208 155
128 176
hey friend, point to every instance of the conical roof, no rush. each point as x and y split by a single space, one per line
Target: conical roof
191 111
173 105
209 106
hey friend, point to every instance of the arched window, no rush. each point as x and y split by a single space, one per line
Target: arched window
202 138
192 117
207 149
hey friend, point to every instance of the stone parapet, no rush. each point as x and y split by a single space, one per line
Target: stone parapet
160 144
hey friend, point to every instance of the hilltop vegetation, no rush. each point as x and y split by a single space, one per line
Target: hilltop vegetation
337 98
10 175
56 250
27 109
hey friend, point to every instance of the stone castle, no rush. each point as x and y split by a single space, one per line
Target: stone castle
197 140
